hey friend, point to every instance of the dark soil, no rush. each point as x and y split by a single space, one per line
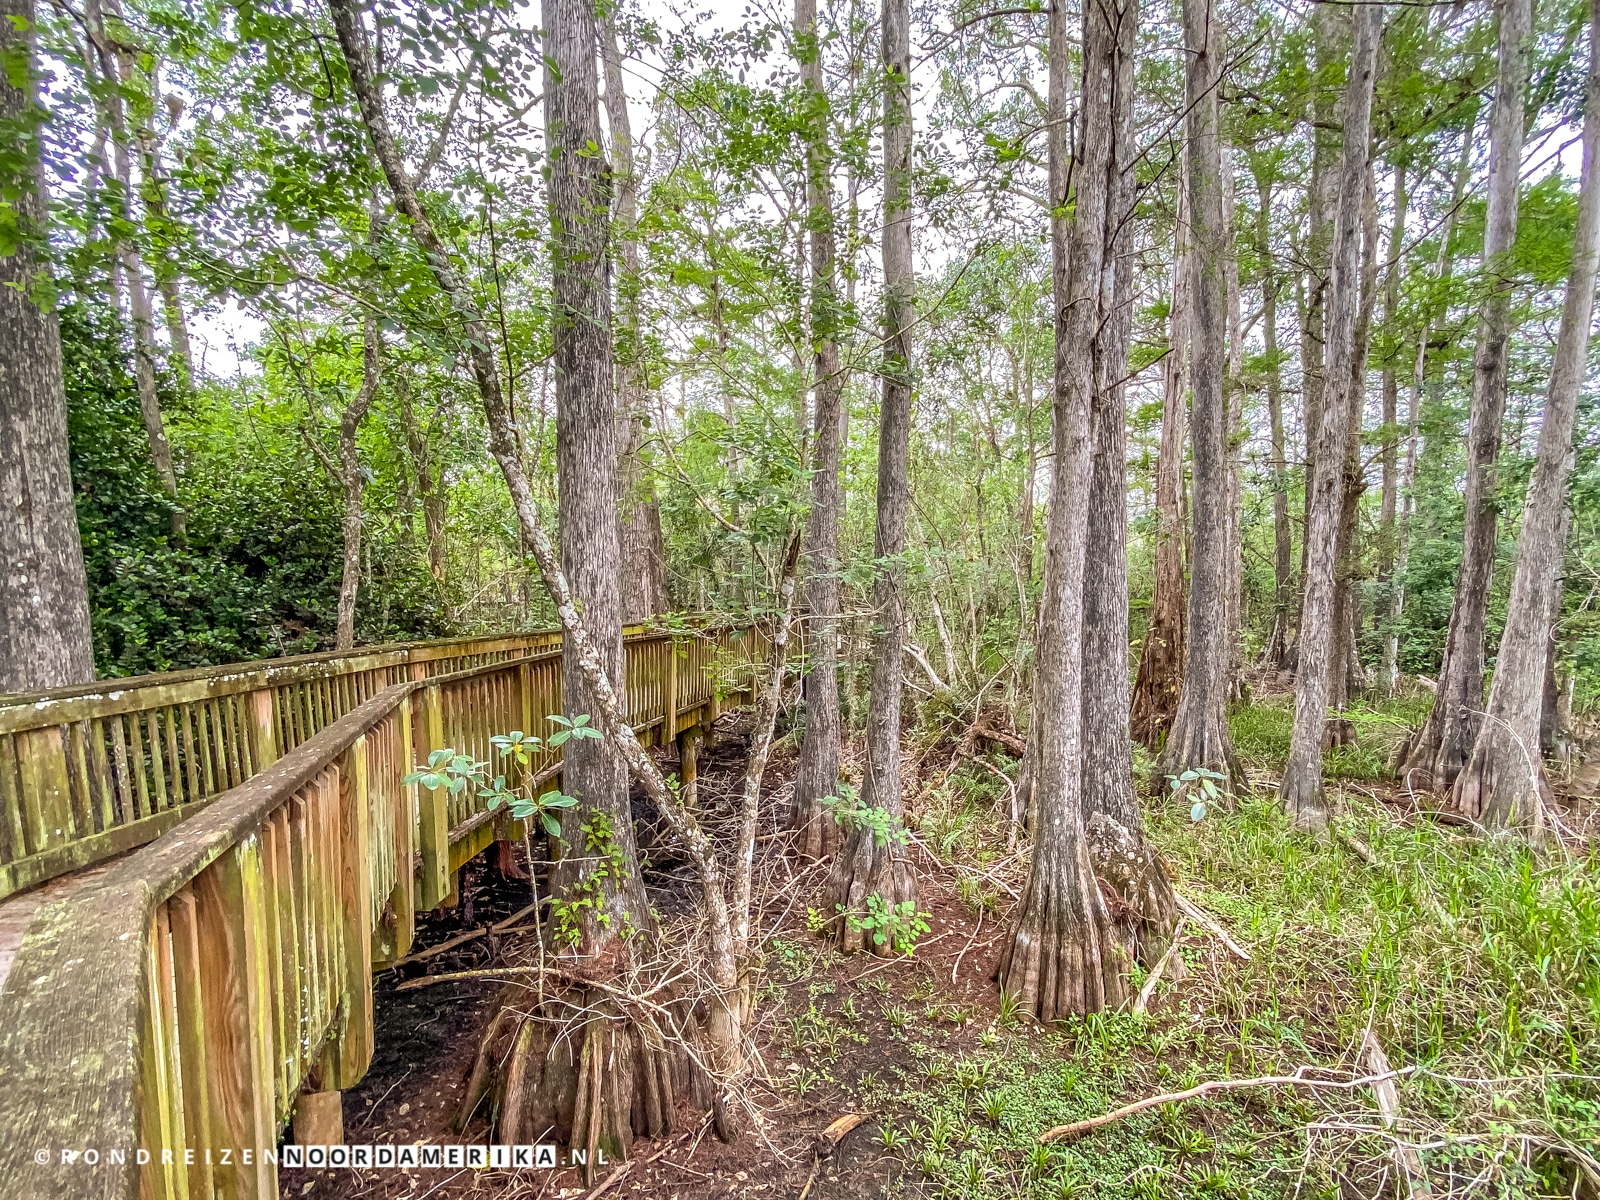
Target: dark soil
427 1040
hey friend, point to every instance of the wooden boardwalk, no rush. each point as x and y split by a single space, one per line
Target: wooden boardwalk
204 869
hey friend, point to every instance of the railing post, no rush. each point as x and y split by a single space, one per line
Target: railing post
669 730
433 809
266 729
347 1059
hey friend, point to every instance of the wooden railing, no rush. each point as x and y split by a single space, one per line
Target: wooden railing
181 1001
89 772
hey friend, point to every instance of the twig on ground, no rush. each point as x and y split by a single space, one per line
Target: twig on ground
1160 968
1197 914
1298 1079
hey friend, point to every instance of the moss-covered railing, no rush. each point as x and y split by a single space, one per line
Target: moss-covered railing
178 1003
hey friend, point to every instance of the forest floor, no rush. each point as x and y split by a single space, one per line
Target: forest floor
1473 965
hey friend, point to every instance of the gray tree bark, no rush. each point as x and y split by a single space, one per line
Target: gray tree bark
1445 740
115 60
817 775
1282 537
1199 735
1066 953
45 640
1301 789
644 553
1160 675
1503 783
352 483
863 868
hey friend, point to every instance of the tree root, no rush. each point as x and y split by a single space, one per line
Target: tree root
580 1068
863 869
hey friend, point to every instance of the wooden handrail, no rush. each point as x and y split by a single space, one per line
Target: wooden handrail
180 1001
91 771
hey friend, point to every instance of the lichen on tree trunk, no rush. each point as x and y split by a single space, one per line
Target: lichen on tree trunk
45 639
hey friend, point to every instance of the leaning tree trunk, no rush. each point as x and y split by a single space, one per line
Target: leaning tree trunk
1119 853
644 555
1160 674
45 640
353 484
1301 790
866 868
1503 783
579 1064
1199 734
1282 538
1066 954
818 773
1442 746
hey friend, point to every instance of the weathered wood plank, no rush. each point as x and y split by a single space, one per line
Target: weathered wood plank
352 1051
433 826
185 922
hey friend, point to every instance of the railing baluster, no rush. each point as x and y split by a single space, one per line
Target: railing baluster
191 1038
233 972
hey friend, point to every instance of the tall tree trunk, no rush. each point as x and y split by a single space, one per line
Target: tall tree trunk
1327 28
351 481
1345 675
1503 783
1408 471
1302 782
817 775
1282 538
1233 435
627 1055
1160 675
1441 747
1199 735
1118 851
115 60
644 555
1066 954
45 640
1388 506
864 868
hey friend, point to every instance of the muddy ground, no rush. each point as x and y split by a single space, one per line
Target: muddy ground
427 1039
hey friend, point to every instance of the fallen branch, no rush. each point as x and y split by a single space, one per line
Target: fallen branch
1197 914
1355 845
1298 1079
1405 1154
471 935
1160 968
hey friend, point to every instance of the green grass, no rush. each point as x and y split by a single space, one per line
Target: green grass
1475 963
